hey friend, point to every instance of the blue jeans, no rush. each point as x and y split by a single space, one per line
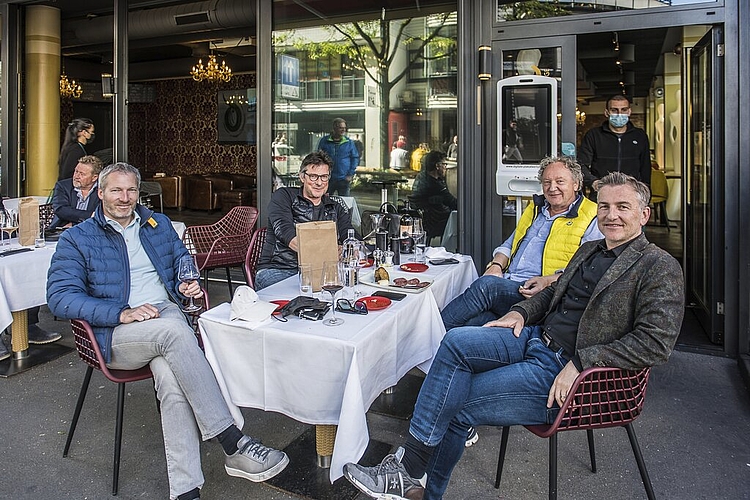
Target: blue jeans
192 407
488 298
340 185
481 376
268 276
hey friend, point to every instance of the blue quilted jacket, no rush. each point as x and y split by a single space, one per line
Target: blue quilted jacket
89 277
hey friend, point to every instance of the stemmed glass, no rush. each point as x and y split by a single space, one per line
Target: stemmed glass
188 272
9 224
332 283
418 235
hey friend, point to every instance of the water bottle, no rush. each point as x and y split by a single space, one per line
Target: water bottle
350 257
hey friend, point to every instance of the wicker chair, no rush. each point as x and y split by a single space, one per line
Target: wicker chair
599 398
253 255
89 352
222 244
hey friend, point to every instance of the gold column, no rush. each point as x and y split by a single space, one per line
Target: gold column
42 98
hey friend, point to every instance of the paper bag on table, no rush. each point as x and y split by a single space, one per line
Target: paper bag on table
318 243
28 221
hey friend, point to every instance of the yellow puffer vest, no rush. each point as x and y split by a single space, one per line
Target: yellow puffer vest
564 236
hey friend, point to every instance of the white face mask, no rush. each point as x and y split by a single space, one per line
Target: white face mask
618 121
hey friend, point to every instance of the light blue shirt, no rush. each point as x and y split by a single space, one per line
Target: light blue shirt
528 260
83 201
145 285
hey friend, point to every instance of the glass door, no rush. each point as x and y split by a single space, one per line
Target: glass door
704 231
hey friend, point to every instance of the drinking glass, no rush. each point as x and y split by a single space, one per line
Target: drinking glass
418 235
10 224
332 283
187 273
39 241
305 280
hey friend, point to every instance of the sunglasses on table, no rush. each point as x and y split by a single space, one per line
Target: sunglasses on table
349 307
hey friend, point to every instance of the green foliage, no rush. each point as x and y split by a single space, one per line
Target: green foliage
534 9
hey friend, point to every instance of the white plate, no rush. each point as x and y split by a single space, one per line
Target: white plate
369 280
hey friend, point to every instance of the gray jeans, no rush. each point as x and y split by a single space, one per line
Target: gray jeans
192 407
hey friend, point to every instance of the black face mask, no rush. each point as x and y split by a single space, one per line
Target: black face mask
92 135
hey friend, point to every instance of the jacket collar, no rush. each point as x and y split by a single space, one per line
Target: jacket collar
572 213
145 214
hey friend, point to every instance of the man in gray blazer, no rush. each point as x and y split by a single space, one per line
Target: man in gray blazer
619 303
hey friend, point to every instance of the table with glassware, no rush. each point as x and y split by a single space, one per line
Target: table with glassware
330 375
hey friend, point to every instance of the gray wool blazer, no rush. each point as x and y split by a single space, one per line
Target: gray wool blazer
635 312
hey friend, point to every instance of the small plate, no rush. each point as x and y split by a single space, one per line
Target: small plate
368 263
414 267
280 303
376 303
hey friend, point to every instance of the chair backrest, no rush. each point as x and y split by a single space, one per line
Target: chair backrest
599 398
253 255
239 221
659 187
46 214
89 352
150 188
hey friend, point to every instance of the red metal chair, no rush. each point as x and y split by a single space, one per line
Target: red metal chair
88 351
253 255
599 398
222 244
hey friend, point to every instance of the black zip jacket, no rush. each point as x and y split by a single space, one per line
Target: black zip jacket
602 151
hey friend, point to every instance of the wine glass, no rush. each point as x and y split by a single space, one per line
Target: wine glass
10 224
332 283
187 273
418 235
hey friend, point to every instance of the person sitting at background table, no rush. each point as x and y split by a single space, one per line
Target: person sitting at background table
118 270
75 199
619 303
430 194
291 206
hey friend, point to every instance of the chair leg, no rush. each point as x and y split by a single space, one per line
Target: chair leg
118 437
639 460
229 281
79 406
501 458
592 450
553 467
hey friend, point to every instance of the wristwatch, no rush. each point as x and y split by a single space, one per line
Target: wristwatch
493 263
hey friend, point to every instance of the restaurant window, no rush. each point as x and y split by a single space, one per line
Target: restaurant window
412 99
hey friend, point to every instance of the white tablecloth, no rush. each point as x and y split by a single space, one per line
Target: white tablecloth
329 375
23 280
12 203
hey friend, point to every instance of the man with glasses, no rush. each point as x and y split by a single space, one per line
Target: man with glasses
345 157
616 146
291 206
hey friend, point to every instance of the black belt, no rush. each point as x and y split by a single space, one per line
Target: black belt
550 342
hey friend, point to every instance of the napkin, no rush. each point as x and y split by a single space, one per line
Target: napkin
442 253
248 307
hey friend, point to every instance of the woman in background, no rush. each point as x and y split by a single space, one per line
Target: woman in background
79 133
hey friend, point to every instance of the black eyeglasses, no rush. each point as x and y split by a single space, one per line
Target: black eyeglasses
346 306
317 177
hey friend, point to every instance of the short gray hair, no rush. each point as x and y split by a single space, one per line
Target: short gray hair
122 168
569 163
642 191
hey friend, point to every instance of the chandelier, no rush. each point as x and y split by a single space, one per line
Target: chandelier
580 117
212 71
69 88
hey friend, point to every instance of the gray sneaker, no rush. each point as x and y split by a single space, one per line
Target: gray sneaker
254 461
387 481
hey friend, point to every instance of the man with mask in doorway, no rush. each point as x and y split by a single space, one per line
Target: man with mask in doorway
615 146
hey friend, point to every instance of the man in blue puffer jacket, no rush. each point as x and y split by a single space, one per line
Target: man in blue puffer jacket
118 271
343 152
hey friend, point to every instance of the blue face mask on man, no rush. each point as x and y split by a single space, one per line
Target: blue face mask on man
618 121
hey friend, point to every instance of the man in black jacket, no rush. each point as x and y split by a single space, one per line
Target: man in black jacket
75 199
291 206
616 146
430 193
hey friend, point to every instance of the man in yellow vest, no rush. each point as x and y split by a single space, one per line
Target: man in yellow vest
548 234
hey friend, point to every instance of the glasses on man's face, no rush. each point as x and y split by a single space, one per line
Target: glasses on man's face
346 306
318 177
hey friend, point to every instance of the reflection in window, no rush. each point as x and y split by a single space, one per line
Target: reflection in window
404 94
521 11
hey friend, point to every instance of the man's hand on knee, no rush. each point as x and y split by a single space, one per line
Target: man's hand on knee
562 384
140 313
512 320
